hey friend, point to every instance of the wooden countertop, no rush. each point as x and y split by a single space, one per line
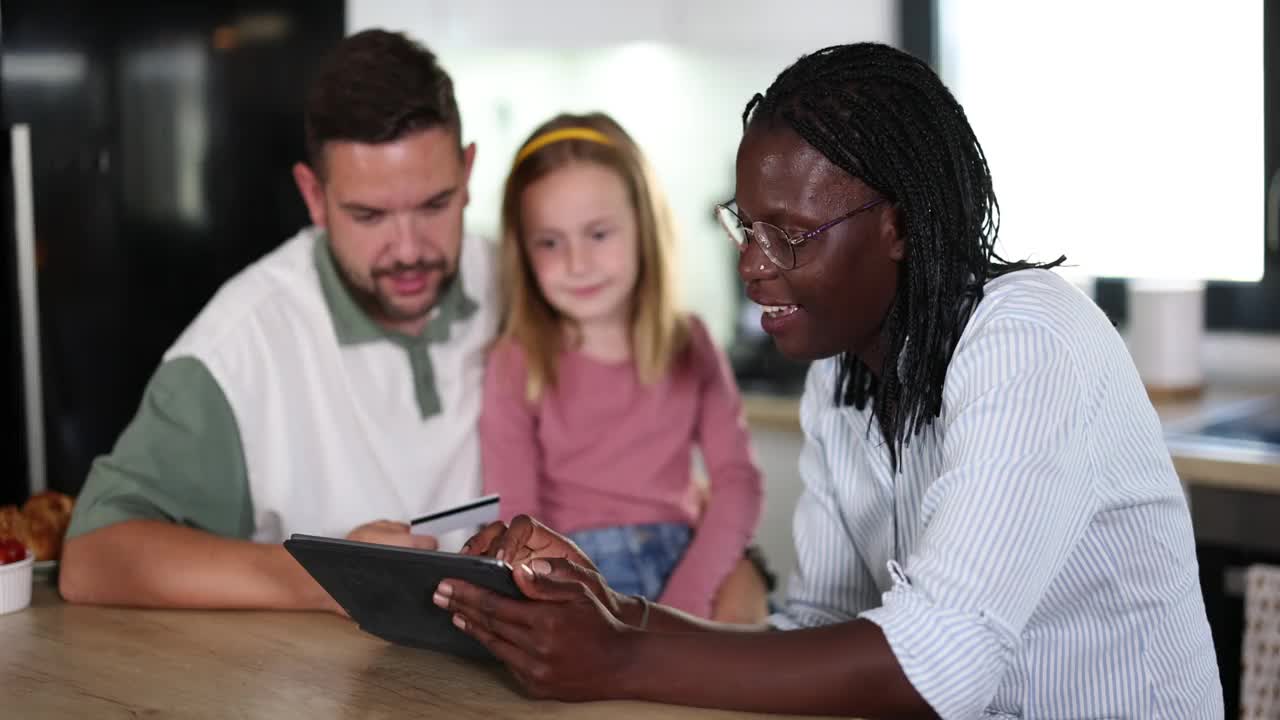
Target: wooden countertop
1215 465
783 411
68 661
1199 466
778 412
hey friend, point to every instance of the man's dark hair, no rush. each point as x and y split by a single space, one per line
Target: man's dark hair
377 87
885 117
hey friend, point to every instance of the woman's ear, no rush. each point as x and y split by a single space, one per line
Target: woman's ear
892 233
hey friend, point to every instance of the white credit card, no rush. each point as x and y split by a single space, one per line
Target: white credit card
469 515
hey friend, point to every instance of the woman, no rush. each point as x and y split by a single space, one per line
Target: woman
991 523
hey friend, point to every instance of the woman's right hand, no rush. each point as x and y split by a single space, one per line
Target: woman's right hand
561 646
523 540
528 542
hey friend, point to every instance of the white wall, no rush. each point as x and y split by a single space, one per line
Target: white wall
759 28
676 74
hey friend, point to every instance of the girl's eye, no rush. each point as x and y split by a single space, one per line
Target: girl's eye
599 234
544 244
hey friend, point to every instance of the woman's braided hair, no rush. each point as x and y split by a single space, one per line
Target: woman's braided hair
885 118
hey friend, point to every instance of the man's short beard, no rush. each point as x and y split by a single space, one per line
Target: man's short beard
392 312
374 300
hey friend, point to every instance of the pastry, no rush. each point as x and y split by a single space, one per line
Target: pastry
40 524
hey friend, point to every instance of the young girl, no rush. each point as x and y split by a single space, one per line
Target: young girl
599 388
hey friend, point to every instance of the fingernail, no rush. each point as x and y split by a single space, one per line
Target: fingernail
526 570
457 620
498 556
541 567
440 600
444 589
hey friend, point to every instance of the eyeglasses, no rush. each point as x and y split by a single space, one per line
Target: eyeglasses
777 245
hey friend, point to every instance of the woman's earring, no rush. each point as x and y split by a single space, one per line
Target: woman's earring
761 267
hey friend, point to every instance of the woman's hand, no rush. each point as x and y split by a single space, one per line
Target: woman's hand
528 542
567 646
524 540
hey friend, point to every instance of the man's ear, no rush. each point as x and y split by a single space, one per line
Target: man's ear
312 190
468 162
892 233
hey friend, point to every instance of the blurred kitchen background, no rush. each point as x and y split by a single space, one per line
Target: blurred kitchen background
147 152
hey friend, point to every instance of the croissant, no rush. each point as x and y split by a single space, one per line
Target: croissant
11 520
14 524
40 524
50 508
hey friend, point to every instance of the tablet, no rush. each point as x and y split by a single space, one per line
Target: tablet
387 590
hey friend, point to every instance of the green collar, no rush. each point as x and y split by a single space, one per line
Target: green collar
353 326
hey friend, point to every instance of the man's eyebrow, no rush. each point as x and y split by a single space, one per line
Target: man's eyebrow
356 206
359 207
441 196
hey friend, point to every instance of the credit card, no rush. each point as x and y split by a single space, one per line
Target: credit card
470 515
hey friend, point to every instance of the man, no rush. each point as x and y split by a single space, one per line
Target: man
333 382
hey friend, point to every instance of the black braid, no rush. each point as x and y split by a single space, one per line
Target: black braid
886 118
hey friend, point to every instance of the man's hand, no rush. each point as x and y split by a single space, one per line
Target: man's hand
388 532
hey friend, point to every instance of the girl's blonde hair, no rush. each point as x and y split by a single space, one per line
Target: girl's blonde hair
659 331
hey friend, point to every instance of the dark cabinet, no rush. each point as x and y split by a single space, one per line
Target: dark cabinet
160 144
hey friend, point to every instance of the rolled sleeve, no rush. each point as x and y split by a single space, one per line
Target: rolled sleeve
953 658
1001 521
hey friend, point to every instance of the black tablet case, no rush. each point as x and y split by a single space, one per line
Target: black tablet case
387 590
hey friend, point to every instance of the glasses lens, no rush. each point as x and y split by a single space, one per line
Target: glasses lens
775 243
729 221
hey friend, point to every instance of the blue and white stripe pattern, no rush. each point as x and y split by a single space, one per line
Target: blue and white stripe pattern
1034 558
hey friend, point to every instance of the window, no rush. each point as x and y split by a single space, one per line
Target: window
932 31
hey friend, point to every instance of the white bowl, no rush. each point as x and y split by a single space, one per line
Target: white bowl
15 584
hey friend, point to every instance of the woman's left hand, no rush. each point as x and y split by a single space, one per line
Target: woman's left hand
561 644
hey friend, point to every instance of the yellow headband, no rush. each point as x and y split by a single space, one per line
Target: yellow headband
555 136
